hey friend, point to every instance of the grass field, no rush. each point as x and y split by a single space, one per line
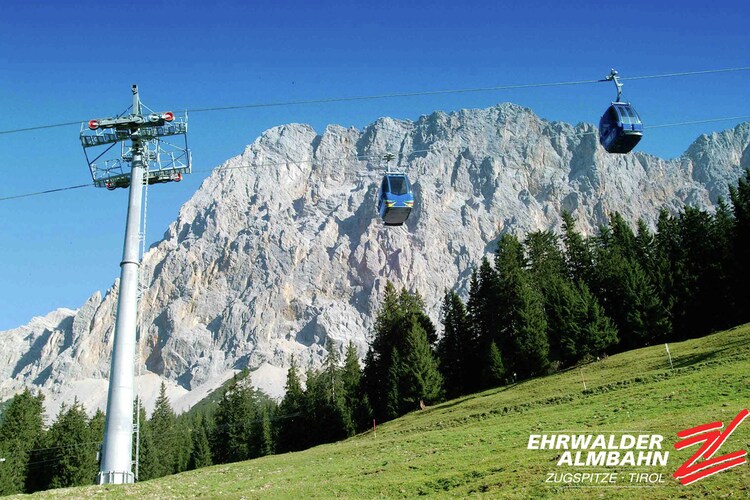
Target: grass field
477 446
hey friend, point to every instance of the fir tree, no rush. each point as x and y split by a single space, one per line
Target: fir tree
265 433
357 403
146 453
740 198
493 373
96 431
234 417
596 331
523 323
421 380
200 455
290 431
578 254
74 459
530 331
164 434
392 383
378 361
456 347
21 430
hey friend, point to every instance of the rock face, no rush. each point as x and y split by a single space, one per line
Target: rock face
281 248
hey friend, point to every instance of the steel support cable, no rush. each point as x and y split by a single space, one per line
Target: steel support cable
37 193
359 158
408 94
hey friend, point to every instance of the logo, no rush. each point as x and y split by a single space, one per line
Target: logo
712 438
637 459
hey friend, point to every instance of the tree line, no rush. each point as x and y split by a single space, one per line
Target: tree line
540 305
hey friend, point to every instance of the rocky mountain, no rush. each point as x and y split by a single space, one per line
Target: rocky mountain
281 249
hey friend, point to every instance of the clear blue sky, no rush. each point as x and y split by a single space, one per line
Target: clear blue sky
75 60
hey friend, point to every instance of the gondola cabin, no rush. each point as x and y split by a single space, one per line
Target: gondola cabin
620 128
395 200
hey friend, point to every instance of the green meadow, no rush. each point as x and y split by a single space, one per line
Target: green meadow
476 446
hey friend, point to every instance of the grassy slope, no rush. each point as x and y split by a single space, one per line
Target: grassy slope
476 446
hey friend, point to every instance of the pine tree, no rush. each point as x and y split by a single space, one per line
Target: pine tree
723 291
631 300
148 468
493 374
421 382
740 198
96 431
386 369
75 451
21 430
357 403
476 331
523 324
378 361
530 331
456 347
563 308
200 455
392 386
265 433
183 443
493 307
578 254
164 433
597 332
291 433
234 417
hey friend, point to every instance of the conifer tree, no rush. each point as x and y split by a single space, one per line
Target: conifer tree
392 385
200 455
265 433
148 468
331 420
493 307
290 430
164 434
74 457
631 301
523 323
578 254
234 417
21 430
357 402
456 347
477 332
740 198
386 369
421 380
530 331
96 431
493 372
596 331
378 361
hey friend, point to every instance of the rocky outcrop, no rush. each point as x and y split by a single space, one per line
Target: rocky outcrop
281 248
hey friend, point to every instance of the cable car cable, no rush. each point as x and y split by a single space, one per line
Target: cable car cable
15 197
405 94
358 158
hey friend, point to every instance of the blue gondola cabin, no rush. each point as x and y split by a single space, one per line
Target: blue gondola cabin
620 128
395 200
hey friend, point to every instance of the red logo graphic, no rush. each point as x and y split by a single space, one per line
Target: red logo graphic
712 437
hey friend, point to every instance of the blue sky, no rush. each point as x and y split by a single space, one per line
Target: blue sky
75 60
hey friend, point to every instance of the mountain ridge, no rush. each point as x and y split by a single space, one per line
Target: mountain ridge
281 249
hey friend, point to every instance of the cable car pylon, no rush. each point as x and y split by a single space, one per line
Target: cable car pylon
148 162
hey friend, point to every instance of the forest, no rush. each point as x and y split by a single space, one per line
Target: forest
542 304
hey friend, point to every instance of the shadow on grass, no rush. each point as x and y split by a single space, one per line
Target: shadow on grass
692 359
